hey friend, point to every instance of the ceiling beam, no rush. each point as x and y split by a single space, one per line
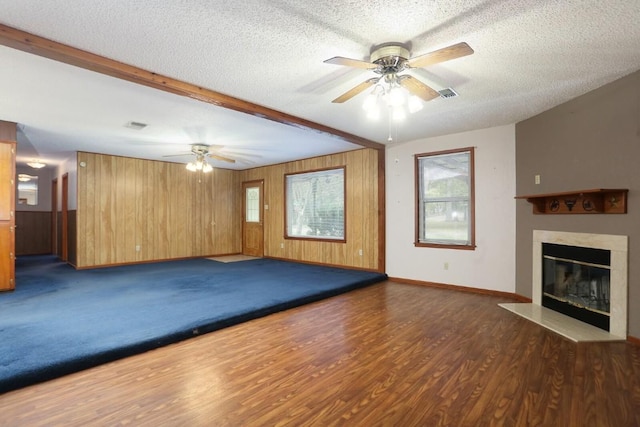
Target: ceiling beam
40 46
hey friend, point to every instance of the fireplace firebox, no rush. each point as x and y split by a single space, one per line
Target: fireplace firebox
576 282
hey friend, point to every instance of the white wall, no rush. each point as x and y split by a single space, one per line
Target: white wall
492 264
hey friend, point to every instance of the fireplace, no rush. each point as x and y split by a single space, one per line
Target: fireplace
576 282
579 285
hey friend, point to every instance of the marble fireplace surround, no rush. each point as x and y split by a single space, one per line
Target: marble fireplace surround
567 326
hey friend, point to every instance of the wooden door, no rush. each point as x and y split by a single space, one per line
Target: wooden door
7 262
54 216
65 221
252 218
7 215
7 180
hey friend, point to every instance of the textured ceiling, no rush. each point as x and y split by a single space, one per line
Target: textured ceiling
530 55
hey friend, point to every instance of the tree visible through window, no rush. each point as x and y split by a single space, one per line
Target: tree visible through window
445 199
315 204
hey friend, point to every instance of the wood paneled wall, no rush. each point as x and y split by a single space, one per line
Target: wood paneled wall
172 213
363 213
72 237
33 232
159 207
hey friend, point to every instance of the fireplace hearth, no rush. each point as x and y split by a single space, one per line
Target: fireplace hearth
579 285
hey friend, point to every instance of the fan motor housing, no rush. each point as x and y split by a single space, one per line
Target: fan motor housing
390 59
200 149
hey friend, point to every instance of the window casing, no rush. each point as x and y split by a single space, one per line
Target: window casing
315 205
445 206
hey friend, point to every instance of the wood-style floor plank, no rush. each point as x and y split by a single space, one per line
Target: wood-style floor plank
387 355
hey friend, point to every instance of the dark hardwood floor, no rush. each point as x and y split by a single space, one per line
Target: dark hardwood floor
387 355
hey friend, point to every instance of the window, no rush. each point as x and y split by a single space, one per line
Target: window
315 205
252 204
445 199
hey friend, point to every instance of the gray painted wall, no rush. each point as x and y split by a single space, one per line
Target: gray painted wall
590 142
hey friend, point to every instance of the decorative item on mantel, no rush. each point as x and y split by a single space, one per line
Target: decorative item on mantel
596 201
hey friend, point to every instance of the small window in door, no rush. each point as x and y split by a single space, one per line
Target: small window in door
252 204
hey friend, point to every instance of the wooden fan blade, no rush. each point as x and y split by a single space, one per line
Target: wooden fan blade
339 60
236 154
186 153
440 55
245 160
356 90
221 158
418 88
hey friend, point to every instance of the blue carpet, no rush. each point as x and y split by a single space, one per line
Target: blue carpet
59 320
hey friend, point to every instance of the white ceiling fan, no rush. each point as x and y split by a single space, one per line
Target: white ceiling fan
390 59
204 151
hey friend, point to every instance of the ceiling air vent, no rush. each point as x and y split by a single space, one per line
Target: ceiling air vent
136 125
448 93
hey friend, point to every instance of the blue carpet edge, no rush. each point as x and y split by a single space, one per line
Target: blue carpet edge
72 366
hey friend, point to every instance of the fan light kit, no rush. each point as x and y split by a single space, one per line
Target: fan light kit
390 88
200 163
390 93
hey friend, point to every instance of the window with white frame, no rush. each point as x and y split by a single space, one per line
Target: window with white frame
315 204
445 199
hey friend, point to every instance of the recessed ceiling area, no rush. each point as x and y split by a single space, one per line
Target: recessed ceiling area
528 57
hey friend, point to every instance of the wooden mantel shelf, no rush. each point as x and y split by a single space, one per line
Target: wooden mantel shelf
596 201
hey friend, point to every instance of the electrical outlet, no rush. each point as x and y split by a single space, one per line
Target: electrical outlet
537 179
137 248
281 245
360 252
446 265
